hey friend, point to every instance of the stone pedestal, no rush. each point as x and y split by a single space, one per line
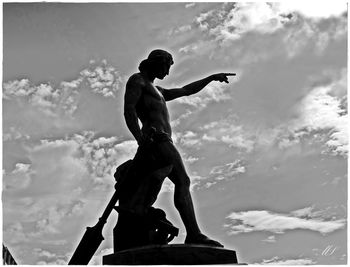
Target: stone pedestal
177 254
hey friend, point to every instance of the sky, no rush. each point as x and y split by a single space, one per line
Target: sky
266 153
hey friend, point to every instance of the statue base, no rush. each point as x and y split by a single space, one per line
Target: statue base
177 254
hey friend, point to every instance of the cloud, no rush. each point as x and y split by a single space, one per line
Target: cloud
227 131
189 159
212 93
42 96
319 111
188 139
103 80
63 99
229 169
177 121
14 134
315 10
280 261
217 174
294 24
49 100
190 5
261 220
69 181
270 239
305 32
19 178
233 20
318 117
179 30
102 155
44 253
14 234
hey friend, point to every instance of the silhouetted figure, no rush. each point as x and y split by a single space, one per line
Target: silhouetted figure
157 157
139 224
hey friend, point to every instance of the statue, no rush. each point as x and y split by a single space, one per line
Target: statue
157 157
139 182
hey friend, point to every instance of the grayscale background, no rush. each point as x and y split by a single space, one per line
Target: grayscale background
267 153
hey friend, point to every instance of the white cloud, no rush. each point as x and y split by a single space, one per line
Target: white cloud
270 239
14 134
189 159
313 9
14 233
69 179
51 101
102 155
211 93
209 138
229 132
104 80
177 121
278 261
64 99
190 5
188 139
44 253
319 111
17 88
42 96
320 116
21 167
19 178
53 262
179 30
298 23
233 20
229 169
261 220
304 212
217 174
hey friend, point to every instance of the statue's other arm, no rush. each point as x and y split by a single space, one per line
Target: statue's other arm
194 87
132 95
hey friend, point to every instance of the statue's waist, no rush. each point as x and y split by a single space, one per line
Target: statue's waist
160 136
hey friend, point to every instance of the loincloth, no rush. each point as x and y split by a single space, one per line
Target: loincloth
159 137
148 158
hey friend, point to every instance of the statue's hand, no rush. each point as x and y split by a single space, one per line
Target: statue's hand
146 139
222 77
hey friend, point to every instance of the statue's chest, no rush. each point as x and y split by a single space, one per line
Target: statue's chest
152 95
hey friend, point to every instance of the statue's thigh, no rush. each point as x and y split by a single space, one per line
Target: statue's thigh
169 153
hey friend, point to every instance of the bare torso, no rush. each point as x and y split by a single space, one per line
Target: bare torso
151 108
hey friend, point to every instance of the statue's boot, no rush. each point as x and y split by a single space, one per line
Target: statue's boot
201 239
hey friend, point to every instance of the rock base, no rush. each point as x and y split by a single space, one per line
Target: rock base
177 254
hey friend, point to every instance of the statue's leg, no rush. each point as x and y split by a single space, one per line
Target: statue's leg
182 197
146 191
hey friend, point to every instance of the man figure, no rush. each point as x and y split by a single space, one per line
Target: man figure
147 102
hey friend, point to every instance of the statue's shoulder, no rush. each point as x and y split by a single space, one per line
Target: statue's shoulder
136 80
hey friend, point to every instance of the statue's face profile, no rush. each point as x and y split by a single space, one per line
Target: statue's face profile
162 69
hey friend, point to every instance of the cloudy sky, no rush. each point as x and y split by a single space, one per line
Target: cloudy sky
267 153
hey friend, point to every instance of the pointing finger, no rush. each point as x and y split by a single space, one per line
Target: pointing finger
230 74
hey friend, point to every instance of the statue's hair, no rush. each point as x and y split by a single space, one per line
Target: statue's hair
154 59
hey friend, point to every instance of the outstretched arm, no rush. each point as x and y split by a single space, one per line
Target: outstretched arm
195 87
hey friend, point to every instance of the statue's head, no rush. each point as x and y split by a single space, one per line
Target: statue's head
157 63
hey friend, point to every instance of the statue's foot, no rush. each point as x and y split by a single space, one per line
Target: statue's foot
201 239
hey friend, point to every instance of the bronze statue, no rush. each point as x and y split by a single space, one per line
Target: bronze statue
147 102
139 180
